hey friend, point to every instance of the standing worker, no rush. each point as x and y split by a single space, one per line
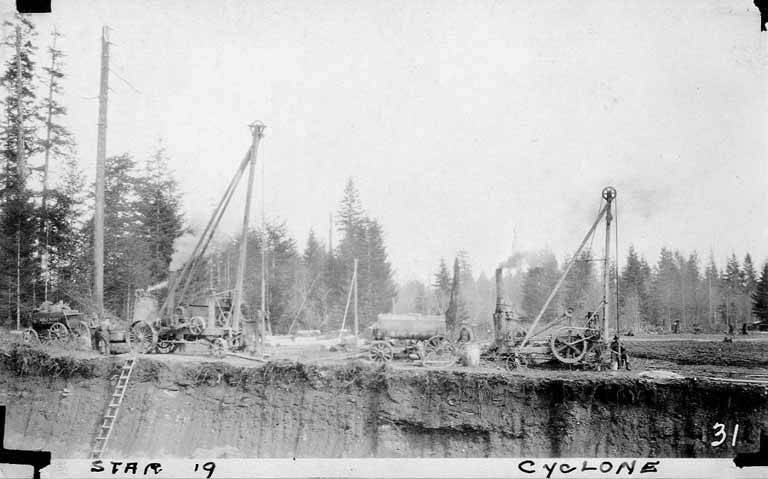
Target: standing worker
101 334
251 332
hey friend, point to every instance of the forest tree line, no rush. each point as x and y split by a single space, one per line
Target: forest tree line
46 221
46 236
651 297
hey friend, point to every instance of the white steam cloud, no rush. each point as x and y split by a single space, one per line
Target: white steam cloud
182 250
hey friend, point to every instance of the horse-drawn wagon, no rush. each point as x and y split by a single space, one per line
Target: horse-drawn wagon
55 323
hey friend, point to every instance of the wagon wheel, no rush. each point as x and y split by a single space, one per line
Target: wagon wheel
142 337
435 342
196 325
30 336
439 357
439 352
516 361
381 352
569 346
165 346
58 333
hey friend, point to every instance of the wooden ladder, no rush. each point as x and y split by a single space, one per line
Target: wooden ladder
112 409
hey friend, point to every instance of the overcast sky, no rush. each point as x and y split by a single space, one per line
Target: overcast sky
484 126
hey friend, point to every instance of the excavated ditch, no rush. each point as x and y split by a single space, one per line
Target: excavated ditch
214 409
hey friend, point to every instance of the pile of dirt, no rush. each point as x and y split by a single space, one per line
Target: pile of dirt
292 409
718 353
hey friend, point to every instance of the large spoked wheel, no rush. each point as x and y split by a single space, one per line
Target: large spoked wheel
381 352
196 326
569 346
58 333
435 342
438 352
30 336
142 337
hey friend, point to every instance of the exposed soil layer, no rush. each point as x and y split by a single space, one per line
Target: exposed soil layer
718 353
214 409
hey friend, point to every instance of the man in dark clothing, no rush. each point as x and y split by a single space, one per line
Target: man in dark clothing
101 336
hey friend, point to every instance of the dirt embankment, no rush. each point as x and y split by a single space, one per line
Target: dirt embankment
739 353
184 409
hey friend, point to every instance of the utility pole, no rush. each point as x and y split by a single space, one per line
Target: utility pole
354 275
264 244
330 233
101 153
46 166
608 195
257 130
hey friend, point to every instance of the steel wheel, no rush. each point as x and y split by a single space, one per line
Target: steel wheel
569 346
381 352
516 361
196 326
30 336
435 342
142 337
58 333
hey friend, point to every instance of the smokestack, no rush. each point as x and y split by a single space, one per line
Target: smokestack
499 287
501 317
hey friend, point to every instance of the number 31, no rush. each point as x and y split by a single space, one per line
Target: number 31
721 434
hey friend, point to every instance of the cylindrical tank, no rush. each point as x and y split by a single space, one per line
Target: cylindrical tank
404 327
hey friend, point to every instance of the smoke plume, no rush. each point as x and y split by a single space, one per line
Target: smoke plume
182 250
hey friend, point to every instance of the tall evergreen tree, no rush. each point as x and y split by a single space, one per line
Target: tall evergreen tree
665 290
362 239
19 217
61 202
538 284
733 281
315 259
749 283
713 295
760 295
442 286
580 284
158 213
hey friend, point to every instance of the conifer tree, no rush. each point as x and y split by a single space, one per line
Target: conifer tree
760 295
19 218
